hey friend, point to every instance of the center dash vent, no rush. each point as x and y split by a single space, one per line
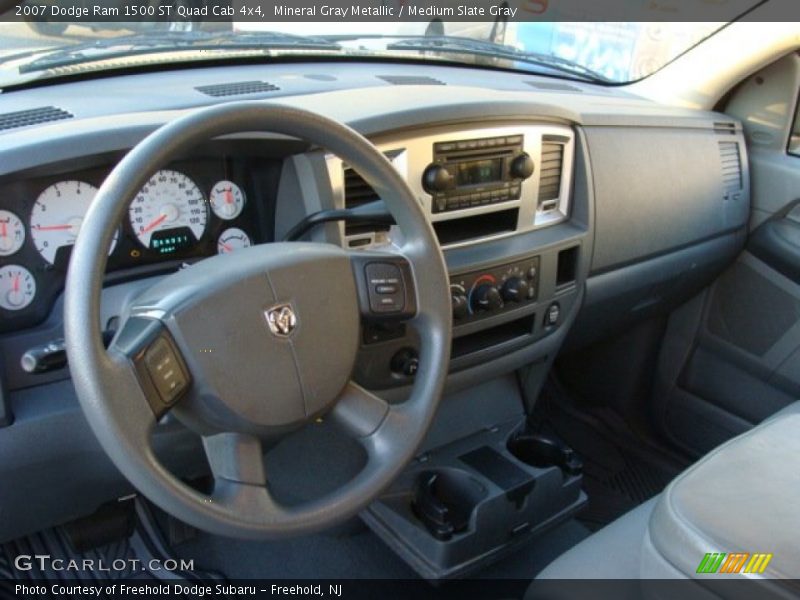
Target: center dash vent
550 171
553 86
237 89
731 167
410 80
358 192
33 116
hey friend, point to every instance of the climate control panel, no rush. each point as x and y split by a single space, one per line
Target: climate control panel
491 291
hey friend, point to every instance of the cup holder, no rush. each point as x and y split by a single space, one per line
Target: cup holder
444 500
539 450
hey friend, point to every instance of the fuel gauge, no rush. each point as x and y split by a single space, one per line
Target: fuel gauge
12 233
227 200
232 239
17 287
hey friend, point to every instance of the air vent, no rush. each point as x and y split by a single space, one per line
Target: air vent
550 174
410 80
553 87
356 193
725 128
237 89
34 116
731 167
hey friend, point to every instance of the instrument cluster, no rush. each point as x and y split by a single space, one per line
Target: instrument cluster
192 209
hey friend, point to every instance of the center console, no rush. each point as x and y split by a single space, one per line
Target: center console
510 205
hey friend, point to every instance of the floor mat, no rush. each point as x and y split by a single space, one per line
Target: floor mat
134 557
621 470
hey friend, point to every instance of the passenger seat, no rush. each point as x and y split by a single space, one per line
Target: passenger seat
741 498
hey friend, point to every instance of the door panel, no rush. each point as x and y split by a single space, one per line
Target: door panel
731 356
777 243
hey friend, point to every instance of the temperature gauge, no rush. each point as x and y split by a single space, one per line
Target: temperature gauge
232 239
12 233
17 287
227 200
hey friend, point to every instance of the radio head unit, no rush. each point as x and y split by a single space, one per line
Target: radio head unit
475 183
476 172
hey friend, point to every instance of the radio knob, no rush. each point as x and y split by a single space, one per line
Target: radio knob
436 178
515 290
522 166
486 297
460 305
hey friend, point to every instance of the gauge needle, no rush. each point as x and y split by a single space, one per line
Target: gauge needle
226 247
53 227
229 196
16 284
154 224
3 230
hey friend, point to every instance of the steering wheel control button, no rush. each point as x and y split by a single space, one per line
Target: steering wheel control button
552 315
166 371
385 288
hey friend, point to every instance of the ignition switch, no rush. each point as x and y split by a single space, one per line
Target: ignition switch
405 362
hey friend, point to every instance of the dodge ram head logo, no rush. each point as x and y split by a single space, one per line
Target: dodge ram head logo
281 320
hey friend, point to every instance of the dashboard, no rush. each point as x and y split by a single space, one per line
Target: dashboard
565 212
193 208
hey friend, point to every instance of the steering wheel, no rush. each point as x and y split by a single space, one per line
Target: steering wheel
279 356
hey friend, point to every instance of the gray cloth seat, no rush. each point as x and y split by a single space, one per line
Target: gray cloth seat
740 498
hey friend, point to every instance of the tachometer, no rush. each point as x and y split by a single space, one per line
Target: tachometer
169 213
17 287
12 233
57 216
226 199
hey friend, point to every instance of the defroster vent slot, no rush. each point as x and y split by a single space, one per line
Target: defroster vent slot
34 116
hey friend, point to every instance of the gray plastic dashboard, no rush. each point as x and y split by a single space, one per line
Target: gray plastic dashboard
655 214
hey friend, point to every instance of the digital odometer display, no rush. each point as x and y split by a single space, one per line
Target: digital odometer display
170 241
480 171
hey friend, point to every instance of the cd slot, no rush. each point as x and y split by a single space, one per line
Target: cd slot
493 153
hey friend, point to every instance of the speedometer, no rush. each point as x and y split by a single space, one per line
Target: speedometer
57 216
169 213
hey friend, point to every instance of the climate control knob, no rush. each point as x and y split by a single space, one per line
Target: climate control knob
436 178
515 290
522 166
486 297
460 305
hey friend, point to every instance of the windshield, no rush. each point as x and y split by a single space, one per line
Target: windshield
34 48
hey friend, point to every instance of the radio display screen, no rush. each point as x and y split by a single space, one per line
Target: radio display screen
479 171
